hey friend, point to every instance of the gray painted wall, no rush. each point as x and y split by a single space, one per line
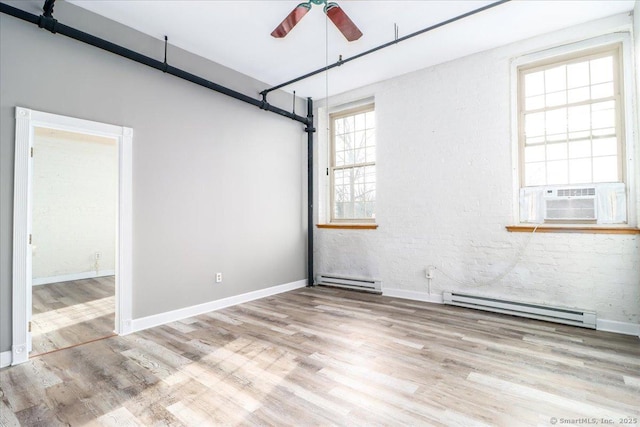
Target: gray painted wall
218 184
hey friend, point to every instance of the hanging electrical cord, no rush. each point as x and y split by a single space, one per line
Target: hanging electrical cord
518 257
326 83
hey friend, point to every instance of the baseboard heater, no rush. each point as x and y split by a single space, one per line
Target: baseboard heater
569 316
356 283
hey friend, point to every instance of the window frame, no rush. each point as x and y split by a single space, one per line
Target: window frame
614 50
568 47
365 108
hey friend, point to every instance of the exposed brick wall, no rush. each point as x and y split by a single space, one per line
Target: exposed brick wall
445 194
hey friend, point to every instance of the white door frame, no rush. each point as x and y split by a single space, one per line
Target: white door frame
26 121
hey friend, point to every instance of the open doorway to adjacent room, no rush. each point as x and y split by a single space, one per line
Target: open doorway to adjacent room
72 232
74 215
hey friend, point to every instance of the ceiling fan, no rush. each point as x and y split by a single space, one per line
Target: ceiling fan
334 12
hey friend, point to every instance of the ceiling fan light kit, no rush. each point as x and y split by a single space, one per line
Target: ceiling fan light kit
333 11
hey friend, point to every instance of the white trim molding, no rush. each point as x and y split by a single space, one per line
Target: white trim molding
413 295
26 122
624 328
75 276
195 310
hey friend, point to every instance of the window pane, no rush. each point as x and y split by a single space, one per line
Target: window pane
578 74
578 95
340 158
603 90
371 137
339 126
534 83
579 118
556 98
339 142
603 119
369 210
557 151
534 124
605 169
349 157
349 124
360 139
535 102
601 70
534 154
579 171
579 149
371 120
605 146
557 172
371 154
556 121
555 79
535 173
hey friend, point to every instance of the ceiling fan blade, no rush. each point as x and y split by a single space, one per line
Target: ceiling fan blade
291 20
342 21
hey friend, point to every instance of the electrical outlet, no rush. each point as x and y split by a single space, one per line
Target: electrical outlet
98 255
430 272
218 277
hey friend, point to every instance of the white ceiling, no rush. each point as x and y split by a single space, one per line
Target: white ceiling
236 33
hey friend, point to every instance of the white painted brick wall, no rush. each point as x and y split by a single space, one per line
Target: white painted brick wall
74 205
445 195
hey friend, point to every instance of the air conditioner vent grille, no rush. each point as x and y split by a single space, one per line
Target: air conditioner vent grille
576 192
570 209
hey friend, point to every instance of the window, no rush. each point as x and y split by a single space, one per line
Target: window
353 165
571 120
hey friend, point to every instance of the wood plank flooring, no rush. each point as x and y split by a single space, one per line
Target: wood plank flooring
321 356
71 313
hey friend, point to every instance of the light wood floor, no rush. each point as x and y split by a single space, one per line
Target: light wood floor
70 313
331 357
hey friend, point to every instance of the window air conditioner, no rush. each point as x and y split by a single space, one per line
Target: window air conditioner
570 204
595 203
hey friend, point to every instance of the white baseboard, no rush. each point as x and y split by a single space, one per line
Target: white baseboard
5 359
624 328
195 310
412 295
75 276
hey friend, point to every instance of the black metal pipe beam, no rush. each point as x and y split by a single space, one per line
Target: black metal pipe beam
383 46
52 25
310 130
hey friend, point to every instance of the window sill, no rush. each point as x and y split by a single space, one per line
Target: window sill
572 229
349 226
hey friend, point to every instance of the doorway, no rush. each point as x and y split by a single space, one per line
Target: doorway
29 124
75 184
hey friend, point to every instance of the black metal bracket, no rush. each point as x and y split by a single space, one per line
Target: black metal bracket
166 65
48 8
46 20
264 105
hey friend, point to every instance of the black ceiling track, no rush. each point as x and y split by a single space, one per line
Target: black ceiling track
395 41
48 22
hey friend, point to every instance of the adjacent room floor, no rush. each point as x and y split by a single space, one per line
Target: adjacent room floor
70 313
320 356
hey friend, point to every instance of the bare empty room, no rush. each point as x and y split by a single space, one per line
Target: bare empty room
347 213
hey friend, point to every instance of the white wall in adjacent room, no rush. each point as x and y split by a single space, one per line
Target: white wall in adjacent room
75 182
